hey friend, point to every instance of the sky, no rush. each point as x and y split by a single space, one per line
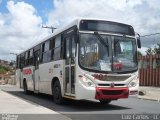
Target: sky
21 20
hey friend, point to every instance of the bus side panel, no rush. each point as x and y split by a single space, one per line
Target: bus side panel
59 72
47 72
45 78
36 79
18 78
83 92
28 73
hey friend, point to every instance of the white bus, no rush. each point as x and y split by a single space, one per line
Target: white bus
88 59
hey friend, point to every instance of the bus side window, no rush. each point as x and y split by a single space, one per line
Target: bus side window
22 60
52 46
57 50
26 59
36 58
18 62
41 52
37 48
31 57
46 53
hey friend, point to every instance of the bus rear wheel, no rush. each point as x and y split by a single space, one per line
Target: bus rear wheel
25 87
56 92
105 101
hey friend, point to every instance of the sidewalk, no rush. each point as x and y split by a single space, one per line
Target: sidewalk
10 104
149 93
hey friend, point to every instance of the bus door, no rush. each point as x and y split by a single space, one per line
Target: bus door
36 71
70 53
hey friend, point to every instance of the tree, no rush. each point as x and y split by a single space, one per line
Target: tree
149 51
156 49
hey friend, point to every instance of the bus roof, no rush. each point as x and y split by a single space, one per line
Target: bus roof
63 28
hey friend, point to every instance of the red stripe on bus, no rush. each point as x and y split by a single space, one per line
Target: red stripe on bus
27 71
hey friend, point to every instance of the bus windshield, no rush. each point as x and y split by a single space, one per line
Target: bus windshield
107 53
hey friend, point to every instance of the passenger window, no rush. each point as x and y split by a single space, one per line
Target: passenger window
52 46
46 55
57 41
57 50
31 53
30 57
46 46
22 60
18 62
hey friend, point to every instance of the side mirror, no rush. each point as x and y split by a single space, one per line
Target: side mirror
138 41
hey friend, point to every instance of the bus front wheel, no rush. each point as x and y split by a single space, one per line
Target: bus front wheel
57 95
105 101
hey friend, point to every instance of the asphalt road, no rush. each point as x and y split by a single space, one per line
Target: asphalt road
88 110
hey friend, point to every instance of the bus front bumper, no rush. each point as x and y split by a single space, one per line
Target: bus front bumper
111 93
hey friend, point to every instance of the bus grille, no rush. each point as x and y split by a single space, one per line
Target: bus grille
117 78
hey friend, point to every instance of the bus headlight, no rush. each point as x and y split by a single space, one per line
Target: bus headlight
86 81
134 82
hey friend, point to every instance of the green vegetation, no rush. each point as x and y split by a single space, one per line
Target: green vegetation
3 69
155 50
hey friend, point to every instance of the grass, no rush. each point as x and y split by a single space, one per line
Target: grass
3 69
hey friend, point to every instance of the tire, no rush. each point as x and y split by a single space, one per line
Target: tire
25 87
56 92
105 101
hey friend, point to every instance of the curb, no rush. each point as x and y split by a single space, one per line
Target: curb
148 98
149 93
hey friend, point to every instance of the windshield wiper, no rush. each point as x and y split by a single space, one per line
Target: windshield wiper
102 41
